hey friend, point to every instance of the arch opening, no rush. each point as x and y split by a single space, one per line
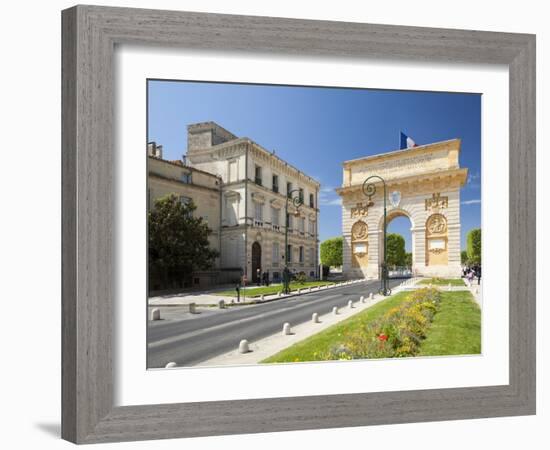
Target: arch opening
400 244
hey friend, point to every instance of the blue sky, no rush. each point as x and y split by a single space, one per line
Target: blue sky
316 128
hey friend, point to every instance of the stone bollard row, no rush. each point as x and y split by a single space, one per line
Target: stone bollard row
286 329
243 346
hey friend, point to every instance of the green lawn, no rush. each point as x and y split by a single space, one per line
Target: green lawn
456 330
443 281
273 289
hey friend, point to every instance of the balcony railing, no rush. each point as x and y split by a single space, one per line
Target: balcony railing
276 227
258 223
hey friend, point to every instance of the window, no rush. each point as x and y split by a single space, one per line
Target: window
275 183
258 175
275 217
311 227
186 201
301 195
275 254
302 223
289 253
186 177
288 189
289 221
301 254
311 202
258 211
233 176
312 256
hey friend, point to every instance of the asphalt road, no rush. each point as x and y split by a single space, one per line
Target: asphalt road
188 339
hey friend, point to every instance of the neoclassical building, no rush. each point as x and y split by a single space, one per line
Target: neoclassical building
422 183
255 188
241 190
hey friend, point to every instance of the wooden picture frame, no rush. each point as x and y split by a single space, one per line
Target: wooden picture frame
90 34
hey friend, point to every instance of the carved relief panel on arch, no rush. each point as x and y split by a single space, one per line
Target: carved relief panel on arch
359 244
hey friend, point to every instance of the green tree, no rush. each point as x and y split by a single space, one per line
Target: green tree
408 259
178 242
395 248
332 251
473 249
464 257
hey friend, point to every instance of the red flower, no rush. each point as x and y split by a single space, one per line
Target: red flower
382 337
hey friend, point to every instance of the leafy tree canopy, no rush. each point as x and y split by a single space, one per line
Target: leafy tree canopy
395 248
332 252
473 249
178 242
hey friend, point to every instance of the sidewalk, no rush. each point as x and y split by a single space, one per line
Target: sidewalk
210 299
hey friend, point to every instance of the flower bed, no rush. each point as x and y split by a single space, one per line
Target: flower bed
397 333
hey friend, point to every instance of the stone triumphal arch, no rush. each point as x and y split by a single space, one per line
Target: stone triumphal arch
422 183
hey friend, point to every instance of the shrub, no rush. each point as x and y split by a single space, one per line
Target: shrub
396 334
301 278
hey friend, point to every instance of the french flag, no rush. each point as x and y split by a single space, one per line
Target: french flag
406 141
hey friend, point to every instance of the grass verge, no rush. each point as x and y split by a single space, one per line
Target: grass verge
273 289
443 281
455 330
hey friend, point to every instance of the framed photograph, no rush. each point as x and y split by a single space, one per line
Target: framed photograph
268 222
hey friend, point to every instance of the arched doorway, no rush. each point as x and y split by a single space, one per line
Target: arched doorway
256 262
398 221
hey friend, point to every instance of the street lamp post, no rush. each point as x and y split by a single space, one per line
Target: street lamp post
297 201
369 189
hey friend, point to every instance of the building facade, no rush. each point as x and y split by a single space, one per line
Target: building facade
242 189
422 183
189 184
256 185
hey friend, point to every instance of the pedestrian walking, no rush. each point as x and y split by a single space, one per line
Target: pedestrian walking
470 277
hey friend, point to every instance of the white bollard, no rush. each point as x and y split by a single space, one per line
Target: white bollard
371 296
362 299
243 346
286 329
262 297
171 365
221 304
155 314
299 291
335 310
449 287
279 294
350 304
315 318
192 308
